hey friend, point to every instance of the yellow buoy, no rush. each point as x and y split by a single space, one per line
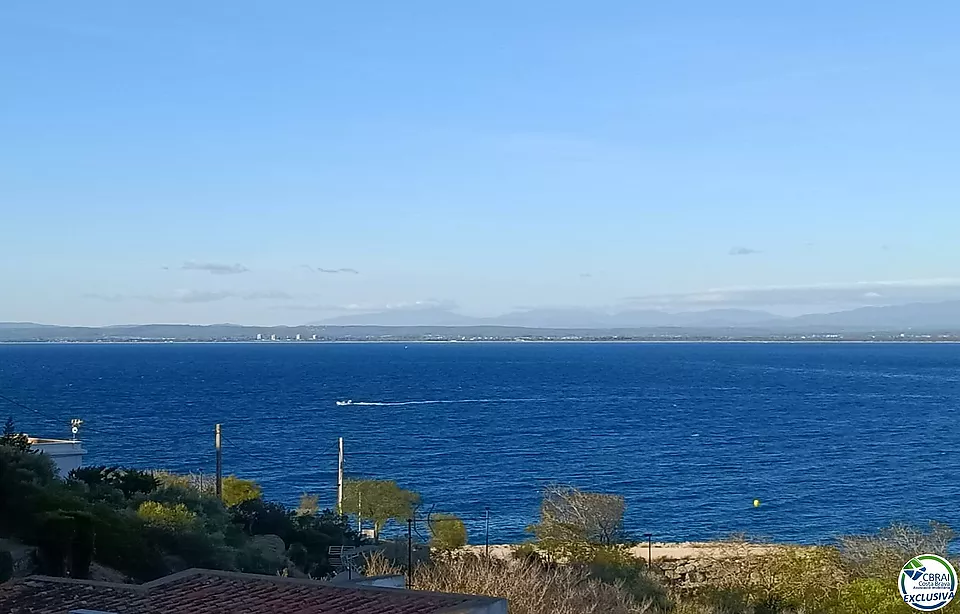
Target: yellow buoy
756 503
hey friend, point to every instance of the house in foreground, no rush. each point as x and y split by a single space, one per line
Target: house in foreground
201 591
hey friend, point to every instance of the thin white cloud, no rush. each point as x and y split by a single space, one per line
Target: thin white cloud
193 296
215 268
851 293
424 305
742 251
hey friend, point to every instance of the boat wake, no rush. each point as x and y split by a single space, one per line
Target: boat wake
434 402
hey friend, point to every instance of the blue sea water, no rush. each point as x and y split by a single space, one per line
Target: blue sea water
832 438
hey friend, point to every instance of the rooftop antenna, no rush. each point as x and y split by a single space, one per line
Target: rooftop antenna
75 425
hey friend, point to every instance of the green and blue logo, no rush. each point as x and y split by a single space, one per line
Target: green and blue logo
928 582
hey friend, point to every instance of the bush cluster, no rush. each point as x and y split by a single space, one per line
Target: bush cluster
147 525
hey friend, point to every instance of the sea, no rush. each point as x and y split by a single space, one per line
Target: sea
831 438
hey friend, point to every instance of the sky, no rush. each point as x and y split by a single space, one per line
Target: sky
285 162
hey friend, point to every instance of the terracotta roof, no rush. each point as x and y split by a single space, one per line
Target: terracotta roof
200 591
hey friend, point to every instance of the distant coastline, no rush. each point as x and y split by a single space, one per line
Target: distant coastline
888 341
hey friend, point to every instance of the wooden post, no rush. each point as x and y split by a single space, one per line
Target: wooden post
219 465
409 552
486 522
340 480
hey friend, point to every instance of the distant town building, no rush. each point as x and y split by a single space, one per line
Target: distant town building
298 337
314 337
273 337
259 336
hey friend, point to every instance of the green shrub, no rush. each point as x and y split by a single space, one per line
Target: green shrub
615 565
447 532
122 544
11 438
871 596
171 517
127 481
236 491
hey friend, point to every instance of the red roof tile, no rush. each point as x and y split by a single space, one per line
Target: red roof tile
198 591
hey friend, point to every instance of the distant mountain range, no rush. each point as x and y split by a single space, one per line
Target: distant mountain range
556 318
944 315
916 319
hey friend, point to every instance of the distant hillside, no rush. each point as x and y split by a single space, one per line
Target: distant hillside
560 318
20 325
915 316
917 319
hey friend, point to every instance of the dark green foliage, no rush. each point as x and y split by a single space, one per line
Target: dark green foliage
81 548
53 546
93 516
307 536
25 479
12 438
259 517
122 544
127 481
315 534
6 566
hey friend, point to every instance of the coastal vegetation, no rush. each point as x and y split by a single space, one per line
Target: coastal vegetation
379 501
144 525
581 561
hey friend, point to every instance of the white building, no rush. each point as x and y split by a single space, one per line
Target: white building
273 337
67 454
259 336
298 337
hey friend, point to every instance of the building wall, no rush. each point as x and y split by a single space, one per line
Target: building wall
67 455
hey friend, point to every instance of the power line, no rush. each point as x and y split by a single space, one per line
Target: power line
20 405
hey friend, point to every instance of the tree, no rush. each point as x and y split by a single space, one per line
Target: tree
236 491
309 505
172 517
448 532
379 500
12 438
571 516
128 481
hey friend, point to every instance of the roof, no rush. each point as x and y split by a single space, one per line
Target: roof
200 591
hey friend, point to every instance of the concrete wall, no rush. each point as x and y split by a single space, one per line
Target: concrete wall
66 454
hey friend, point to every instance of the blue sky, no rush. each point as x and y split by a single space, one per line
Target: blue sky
201 162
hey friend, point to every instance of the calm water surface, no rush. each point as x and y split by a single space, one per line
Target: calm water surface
832 438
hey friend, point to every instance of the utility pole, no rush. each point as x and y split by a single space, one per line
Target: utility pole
649 537
359 512
409 552
486 522
340 480
219 465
